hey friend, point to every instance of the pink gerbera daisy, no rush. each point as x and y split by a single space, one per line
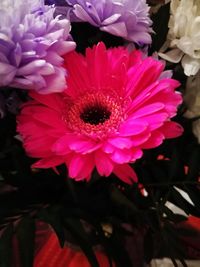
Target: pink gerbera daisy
117 104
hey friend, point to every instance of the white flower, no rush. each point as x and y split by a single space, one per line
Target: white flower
196 129
184 35
192 96
192 100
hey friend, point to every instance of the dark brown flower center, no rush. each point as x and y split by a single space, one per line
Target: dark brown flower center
95 114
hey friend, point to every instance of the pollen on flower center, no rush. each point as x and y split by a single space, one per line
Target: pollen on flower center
95 115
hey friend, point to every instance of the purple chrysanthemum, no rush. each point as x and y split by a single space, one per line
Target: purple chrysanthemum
125 18
32 42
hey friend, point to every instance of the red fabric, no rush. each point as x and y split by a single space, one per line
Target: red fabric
52 255
192 242
194 222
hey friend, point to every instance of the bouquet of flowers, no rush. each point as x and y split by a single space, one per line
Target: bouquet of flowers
99 128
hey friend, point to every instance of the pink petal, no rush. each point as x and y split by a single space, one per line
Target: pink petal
83 145
155 140
49 162
171 129
140 139
156 120
132 127
61 146
147 96
148 109
108 148
103 163
53 101
121 156
49 117
136 154
72 141
97 64
170 100
135 57
142 75
80 167
23 121
78 80
38 147
125 173
120 142
56 133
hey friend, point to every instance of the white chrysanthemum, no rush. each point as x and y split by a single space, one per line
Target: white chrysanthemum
192 100
192 96
184 35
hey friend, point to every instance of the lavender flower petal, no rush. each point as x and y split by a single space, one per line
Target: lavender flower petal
125 18
32 43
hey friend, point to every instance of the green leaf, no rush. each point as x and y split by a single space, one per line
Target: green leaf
76 229
52 216
173 241
121 200
104 240
183 262
177 199
159 171
118 252
6 246
172 246
187 231
176 218
193 165
174 262
25 232
148 246
176 169
193 193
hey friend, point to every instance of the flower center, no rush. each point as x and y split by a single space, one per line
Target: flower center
95 114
